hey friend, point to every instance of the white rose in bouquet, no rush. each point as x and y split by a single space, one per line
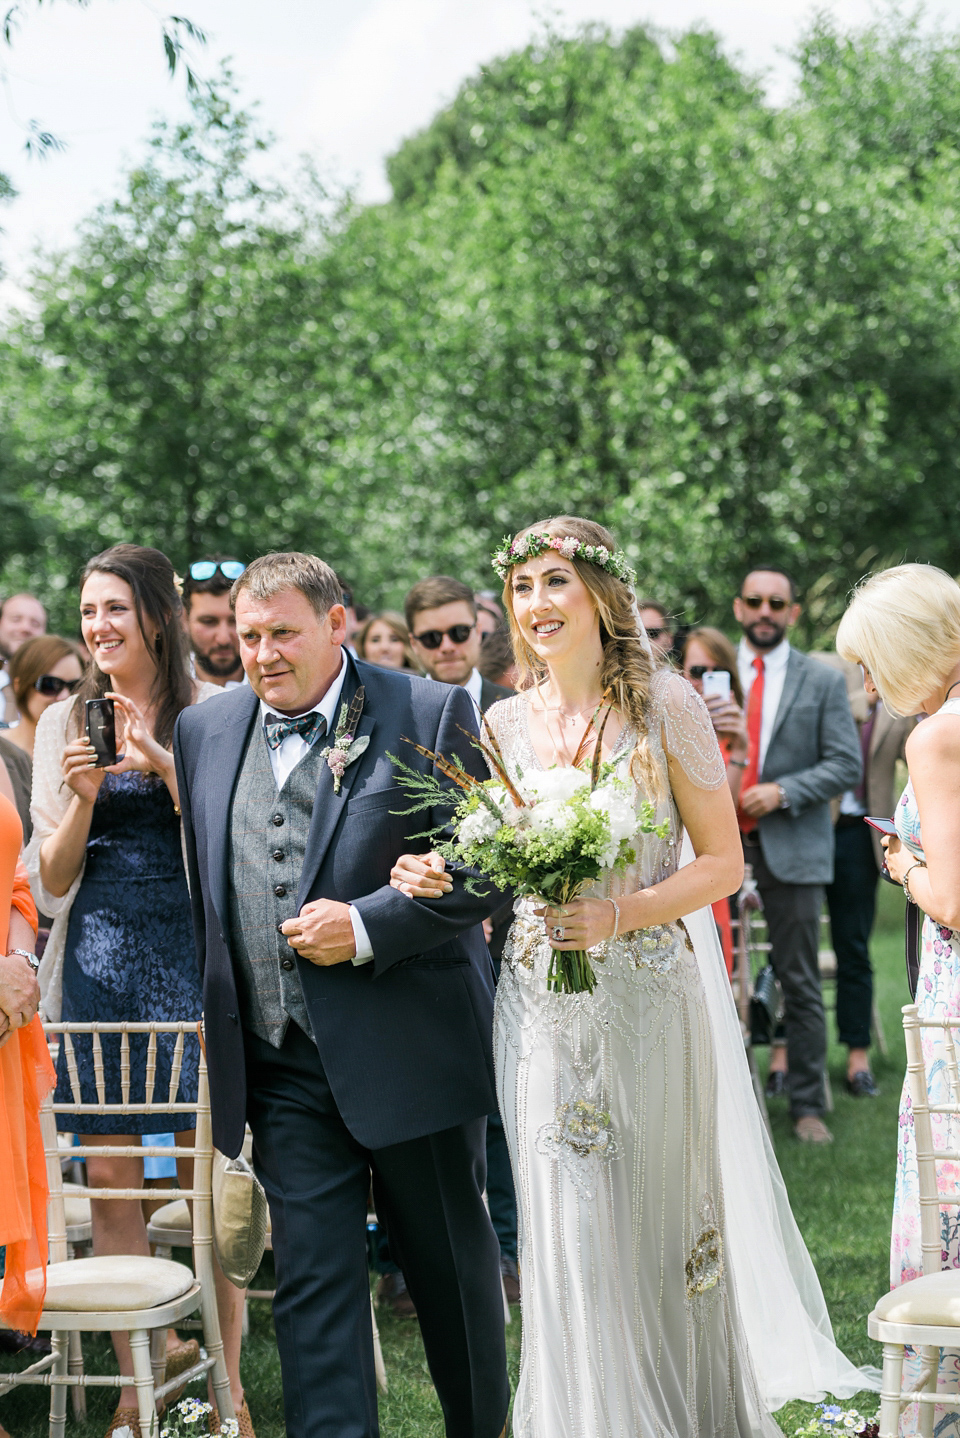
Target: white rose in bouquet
554 784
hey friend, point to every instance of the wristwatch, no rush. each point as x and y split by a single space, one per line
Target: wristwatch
31 959
784 797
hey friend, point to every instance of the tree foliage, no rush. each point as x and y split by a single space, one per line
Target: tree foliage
612 280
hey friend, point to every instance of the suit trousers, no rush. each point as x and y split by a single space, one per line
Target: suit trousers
852 903
792 912
429 1191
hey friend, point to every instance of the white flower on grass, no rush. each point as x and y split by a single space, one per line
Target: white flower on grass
477 826
555 783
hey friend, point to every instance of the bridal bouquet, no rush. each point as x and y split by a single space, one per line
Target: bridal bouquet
545 836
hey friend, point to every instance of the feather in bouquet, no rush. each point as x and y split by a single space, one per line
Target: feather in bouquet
545 835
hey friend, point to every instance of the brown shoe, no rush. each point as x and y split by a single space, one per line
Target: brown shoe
244 1421
393 1293
811 1129
511 1280
128 1418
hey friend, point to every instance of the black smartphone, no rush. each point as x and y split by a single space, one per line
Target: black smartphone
102 730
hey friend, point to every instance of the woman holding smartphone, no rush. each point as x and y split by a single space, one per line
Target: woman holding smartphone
709 661
903 628
105 860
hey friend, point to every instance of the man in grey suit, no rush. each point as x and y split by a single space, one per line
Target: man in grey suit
802 752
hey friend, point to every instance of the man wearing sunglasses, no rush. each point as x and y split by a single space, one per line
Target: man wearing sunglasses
441 614
802 751
210 623
656 622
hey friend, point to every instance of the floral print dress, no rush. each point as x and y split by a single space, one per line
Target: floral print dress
938 996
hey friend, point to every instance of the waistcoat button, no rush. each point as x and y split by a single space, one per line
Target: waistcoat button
286 963
278 854
279 890
278 819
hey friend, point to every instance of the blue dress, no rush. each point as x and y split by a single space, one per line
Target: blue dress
129 953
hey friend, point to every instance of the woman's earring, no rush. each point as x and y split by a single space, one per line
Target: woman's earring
158 643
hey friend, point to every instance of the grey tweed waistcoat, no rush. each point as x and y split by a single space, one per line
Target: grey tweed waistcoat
268 840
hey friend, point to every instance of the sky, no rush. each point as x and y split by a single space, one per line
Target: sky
345 82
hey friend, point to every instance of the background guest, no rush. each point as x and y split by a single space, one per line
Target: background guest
903 626
497 660
22 617
441 615
106 860
656 622
803 751
43 671
490 615
852 897
211 627
706 651
18 768
385 640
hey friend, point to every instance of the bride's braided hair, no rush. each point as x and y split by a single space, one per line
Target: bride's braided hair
628 664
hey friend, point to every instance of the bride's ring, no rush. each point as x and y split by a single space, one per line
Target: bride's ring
558 932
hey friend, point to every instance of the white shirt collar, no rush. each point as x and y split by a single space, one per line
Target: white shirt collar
774 660
474 686
327 705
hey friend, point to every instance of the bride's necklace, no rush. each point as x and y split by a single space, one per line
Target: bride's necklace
572 716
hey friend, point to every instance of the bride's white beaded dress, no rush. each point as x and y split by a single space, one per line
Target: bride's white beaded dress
631 1321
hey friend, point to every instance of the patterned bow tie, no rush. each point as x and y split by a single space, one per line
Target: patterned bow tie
309 726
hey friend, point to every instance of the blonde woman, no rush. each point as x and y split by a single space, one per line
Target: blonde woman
611 1101
384 639
903 627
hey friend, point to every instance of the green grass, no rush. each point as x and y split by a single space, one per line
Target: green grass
842 1197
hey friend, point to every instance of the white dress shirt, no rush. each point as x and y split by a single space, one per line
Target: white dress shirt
285 758
474 686
774 673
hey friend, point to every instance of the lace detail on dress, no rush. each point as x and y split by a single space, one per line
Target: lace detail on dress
688 730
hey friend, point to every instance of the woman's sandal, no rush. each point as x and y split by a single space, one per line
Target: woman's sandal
124 1418
244 1421
179 1359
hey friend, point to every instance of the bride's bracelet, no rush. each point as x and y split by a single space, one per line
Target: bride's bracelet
616 920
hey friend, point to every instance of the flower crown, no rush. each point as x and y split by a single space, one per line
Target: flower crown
511 552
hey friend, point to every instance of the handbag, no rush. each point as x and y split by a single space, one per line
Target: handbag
239 1212
912 927
239 1218
764 1006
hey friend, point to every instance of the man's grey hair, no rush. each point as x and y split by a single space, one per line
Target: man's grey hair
273 573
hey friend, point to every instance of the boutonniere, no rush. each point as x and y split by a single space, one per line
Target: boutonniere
346 746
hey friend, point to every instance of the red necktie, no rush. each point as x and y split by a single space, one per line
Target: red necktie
754 723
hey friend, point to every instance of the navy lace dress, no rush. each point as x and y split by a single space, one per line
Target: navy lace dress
129 951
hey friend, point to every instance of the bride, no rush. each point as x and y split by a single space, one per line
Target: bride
665 1287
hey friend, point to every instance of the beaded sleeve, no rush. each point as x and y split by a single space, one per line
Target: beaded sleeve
688 734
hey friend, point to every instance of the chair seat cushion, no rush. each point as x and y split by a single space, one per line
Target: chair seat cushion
933 1299
174 1215
114 1283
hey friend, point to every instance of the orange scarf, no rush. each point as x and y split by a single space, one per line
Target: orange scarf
26 1077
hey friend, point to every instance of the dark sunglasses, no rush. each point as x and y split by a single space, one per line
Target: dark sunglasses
206 568
50 684
433 638
754 601
655 633
697 671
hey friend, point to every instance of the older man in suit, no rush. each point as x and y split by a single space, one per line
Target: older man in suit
852 897
349 1024
802 752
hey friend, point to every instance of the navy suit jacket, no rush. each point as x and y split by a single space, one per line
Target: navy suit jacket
405 1040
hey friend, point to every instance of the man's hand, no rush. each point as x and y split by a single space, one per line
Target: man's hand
322 932
760 799
19 994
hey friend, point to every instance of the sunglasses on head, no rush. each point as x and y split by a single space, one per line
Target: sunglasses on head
697 671
206 568
775 601
50 684
433 638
